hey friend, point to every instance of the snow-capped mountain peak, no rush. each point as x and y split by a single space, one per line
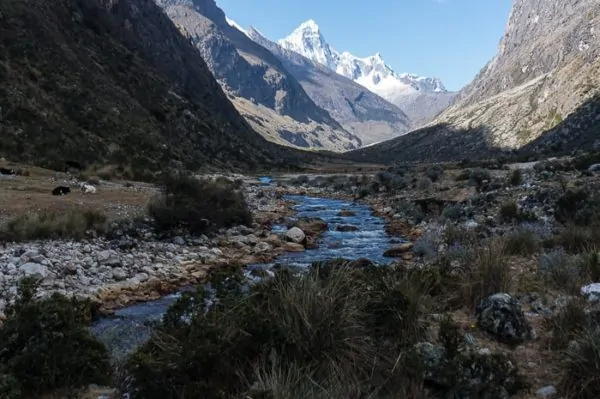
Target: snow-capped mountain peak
371 72
308 41
310 25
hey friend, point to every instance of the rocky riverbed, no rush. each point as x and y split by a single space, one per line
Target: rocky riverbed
135 264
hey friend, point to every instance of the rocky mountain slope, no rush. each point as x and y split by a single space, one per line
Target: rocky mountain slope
540 92
358 110
547 65
114 82
266 94
421 98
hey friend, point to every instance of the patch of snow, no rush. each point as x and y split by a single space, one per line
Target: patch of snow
235 25
370 72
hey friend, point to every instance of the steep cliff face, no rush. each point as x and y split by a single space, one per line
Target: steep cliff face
283 111
546 66
539 93
358 110
114 81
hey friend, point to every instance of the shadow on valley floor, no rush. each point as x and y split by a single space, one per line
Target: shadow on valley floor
579 131
437 143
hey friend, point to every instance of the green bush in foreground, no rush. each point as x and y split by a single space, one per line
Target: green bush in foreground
337 326
45 346
198 205
582 367
340 330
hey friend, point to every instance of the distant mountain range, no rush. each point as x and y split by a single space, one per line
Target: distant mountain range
294 97
401 89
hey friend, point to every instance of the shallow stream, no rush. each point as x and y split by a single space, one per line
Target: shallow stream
127 328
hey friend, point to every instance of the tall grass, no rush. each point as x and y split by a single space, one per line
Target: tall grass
74 223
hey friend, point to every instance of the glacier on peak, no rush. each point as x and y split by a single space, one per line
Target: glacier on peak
371 72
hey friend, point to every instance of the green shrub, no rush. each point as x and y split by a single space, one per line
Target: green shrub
453 212
45 345
74 223
516 177
509 211
560 270
424 183
579 238
487 273
337 326
434 172
578 207
567 324
479 175
198 205
581 367
522 242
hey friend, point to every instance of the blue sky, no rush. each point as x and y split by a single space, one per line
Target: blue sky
448 39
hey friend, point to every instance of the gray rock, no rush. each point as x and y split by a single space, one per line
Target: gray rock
295 234
119 274
262 247
591 291
502 316
34 270
179 240
546 392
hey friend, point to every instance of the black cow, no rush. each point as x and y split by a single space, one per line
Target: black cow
61 190
72 165
5 171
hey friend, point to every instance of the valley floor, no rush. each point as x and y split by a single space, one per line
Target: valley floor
529 231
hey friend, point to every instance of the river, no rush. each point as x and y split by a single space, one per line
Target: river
128 327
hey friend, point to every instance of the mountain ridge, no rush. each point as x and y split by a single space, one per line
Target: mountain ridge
538 93
360 111
266 94
401 89
115 83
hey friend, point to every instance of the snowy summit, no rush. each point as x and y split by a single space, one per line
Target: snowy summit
370 72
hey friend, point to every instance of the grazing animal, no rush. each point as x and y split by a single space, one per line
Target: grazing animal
69 165
61 190
5 171
87 188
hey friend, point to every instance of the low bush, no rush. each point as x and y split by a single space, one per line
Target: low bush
509 211
424 183
479 175
198 205
578 207
581 367
434 172
560 270
74 224
567 324
337 327
487 273
522 241
579 238
516 177
45 346
453 212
